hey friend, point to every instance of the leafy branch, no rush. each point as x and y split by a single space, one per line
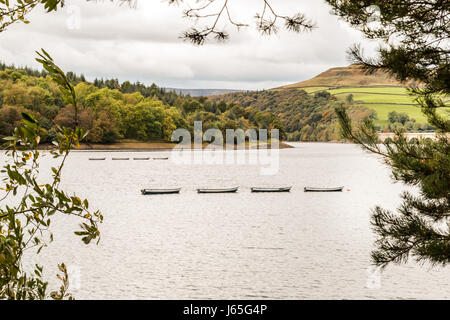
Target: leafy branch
12 11
27 224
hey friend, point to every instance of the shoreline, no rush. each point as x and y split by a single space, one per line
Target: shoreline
148 146
138 146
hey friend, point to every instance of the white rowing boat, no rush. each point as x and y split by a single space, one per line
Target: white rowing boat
313 189
222 190
160 191
263 189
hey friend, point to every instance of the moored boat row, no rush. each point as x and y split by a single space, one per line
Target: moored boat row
235 189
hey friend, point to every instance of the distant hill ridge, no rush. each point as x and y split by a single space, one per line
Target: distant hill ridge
202 92
353 75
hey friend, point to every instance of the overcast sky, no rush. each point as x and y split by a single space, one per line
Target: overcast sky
100 39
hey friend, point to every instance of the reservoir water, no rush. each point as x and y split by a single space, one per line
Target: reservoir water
293 245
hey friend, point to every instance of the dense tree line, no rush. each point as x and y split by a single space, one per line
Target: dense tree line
112 111
402 121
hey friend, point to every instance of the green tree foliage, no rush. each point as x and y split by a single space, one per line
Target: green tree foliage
349 98
27 206
110 111
420 228
401 117
401 121
144 121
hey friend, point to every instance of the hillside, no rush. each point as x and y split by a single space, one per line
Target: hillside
305 117
306 109
378 92
352 75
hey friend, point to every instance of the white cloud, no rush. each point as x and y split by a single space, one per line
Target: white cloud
143 44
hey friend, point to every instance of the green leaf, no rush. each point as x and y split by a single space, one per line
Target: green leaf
29 118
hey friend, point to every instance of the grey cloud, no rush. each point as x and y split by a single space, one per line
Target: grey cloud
142 45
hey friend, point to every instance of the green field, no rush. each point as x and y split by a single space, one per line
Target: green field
382 99
313 89
378 98
391 90
383 110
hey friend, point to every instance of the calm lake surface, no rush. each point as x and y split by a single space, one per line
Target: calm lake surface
235 246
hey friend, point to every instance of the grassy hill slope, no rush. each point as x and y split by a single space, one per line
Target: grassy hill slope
377 91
